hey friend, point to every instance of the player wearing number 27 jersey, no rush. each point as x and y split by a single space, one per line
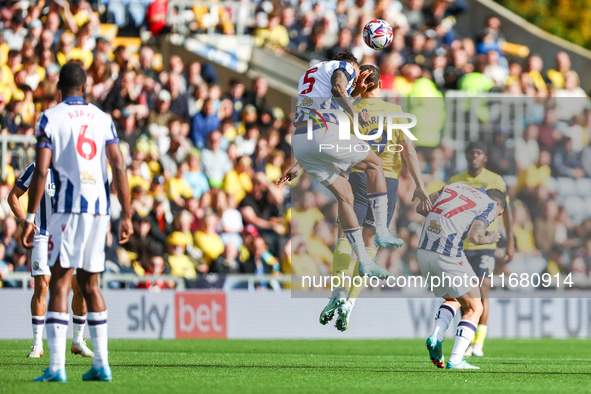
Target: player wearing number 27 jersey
445 230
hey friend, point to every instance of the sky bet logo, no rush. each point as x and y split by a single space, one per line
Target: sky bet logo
375 138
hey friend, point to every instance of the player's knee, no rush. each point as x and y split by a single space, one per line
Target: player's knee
477 308
373 162
41 288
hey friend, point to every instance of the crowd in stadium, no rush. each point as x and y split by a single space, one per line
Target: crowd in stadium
203 161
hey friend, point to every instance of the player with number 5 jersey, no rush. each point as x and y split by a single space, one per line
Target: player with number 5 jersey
459 211
76 139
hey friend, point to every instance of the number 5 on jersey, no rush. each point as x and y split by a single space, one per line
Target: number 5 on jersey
84 144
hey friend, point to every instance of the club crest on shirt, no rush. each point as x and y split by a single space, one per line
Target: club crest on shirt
35 265
50 189
87 178
434 227
307 101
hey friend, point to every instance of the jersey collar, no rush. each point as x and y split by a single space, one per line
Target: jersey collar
75 100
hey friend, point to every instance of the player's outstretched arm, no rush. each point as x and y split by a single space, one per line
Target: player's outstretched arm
292 173
36 190
421 210
409 154
122 187
479 236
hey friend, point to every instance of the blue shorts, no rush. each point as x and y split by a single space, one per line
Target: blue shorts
482 261
358 181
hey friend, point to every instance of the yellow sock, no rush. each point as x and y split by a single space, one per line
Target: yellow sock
480 335
341 259
355 290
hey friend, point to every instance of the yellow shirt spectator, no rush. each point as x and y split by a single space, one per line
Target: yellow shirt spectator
136 180
176 188
211 244
533 177
275 37
239 185
182 266
306 220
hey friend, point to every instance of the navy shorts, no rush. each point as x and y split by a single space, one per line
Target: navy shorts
358 181
482 261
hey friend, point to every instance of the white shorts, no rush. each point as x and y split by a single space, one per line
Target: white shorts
324 156
39 256
447 268
79 240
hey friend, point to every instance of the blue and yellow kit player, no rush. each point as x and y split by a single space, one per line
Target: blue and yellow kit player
482 257
392 152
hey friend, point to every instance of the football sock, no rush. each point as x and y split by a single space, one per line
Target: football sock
57 329
79 323
464 334
355 290
38 322
443 319
355 239
341 257
97 323
379 206
480 335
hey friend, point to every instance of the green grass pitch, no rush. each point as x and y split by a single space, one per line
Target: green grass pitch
307 366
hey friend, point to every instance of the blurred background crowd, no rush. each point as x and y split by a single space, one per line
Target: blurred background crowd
203 161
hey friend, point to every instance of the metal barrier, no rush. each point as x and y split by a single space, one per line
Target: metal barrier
242 14
5 140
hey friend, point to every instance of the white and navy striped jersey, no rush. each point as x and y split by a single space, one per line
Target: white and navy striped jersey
78 134
451 217
43 214
315 88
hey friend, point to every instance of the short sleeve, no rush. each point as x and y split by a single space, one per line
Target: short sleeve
489 214
43 133
392 108
112 135
24 181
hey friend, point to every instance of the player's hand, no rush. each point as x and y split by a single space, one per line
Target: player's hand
495 236
509 251
423 197
293 172
125 230
361 87
364 118
28 234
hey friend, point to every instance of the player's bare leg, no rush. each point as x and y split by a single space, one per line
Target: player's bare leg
38 309
344 195
57 323
471 304
475 348
377 193
97 323
79 321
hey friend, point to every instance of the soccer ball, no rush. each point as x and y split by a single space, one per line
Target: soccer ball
377 34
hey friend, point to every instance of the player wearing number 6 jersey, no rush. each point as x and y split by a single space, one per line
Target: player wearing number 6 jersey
40 270
76 139
459 211
328 86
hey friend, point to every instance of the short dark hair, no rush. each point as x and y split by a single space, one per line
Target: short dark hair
345 56
72 77
374 77
498 196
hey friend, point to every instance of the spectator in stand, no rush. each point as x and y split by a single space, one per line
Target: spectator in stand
414 14
142 244
177 189
545 227
180 264
344 43
535 66
228 262
204 123
194 177
536 175
572 100
565 162
238 182
207 239
523 230
548 134
274 36
236 94
476 82
7 238
563 65
494 70
256 97
256 209
179 103
216 163
528 148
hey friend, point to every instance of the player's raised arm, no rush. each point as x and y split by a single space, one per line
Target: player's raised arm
479 236
409 154
122 187
421 208
37 188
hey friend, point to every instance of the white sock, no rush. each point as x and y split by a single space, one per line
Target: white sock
355 238
379 206
57 329
464 334
38 322
337 290
443 318
97 323
78 322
